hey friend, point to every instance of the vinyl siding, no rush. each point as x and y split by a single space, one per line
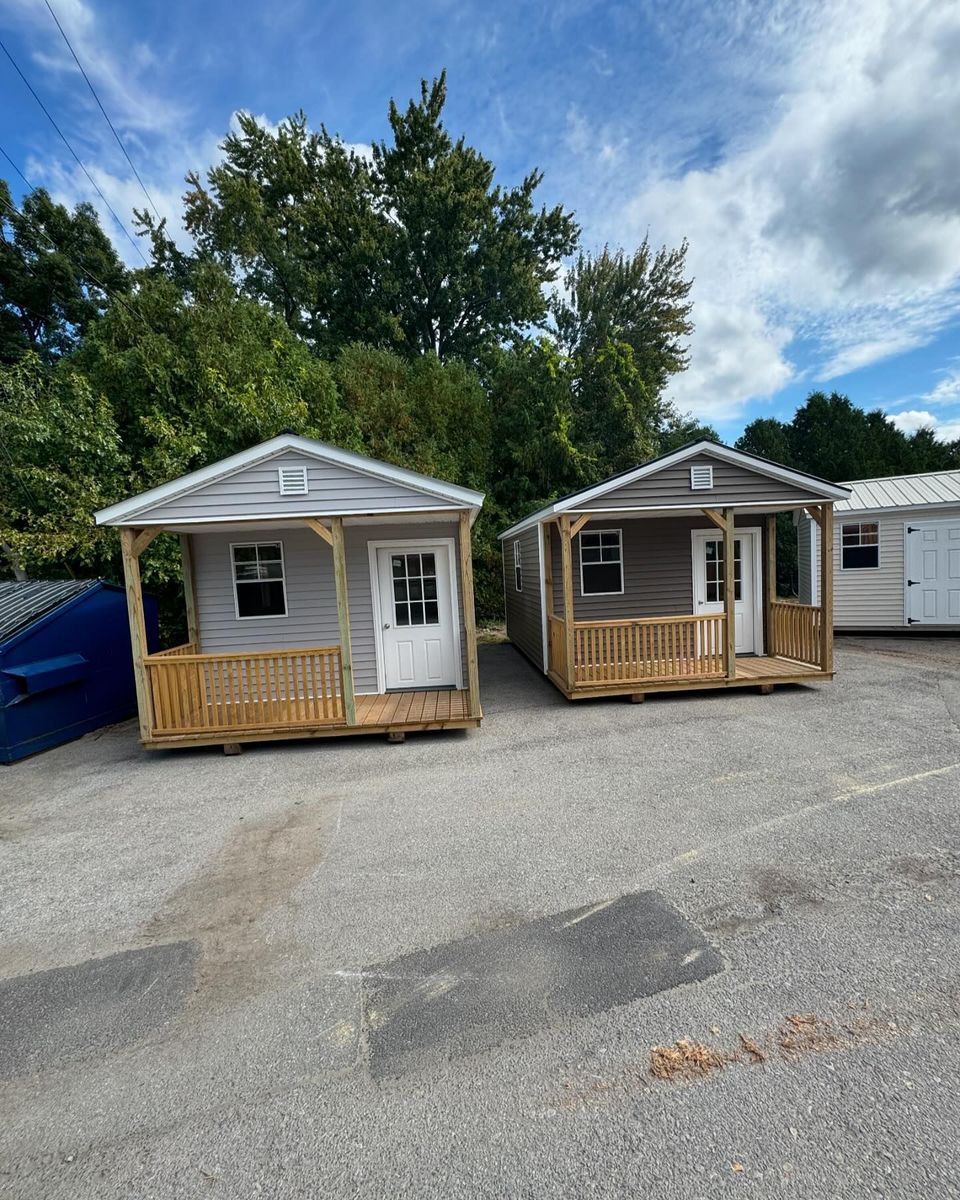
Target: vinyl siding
873 599
311 618
805 570
657 569
732 484
255 492
523 609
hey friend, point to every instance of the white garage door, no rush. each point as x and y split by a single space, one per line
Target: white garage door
933 573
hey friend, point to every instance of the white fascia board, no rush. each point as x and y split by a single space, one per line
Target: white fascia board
124 511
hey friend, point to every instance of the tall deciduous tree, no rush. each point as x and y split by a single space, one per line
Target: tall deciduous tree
58 271
412 247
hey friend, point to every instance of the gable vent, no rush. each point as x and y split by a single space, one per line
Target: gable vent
293 481
701 478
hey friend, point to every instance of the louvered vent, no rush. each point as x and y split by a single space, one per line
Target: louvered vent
293 481
701 478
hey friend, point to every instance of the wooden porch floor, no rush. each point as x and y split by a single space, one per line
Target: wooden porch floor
751 670
769 666
432 709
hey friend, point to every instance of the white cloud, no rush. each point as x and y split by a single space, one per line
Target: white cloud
913 419
837 222
947 390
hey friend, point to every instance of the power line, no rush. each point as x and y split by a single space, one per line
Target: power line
114 297
103 110
63 138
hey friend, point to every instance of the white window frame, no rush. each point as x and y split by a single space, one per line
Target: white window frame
589 533
517 565
859 525
283 580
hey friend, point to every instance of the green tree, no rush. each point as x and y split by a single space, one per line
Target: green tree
58 271
768 438
413 249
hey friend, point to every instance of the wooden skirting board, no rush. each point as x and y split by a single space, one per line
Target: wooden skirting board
750 673
400 712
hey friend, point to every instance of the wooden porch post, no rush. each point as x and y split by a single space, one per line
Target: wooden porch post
189 590
469 613
770 590
138 629
729 597
566 547
343 617
826 587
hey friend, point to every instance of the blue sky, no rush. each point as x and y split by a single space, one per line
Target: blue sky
808 151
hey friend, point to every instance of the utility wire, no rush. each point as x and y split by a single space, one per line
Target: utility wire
114 297
93 92
63 138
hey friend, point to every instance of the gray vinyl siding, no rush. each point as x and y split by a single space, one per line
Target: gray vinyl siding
732 484
254 491
311 618
874 599
524 611
657 569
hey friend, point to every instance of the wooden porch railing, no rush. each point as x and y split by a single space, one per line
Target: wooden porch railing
646 650
557 646
212 693
796 631
174 651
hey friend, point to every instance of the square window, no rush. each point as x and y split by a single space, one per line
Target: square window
258 580
860 546
601 562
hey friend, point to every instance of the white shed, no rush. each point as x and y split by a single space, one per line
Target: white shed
896 554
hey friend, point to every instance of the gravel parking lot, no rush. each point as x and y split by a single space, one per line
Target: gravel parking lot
439 969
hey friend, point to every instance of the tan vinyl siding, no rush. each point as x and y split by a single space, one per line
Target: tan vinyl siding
524 613
732 484
255 492
657 568
311 618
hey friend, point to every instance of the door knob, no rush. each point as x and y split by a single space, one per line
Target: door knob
386 624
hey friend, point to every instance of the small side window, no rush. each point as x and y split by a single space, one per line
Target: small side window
517 565
860 546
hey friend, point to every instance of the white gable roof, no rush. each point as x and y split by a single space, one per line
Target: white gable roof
138 508
902 491
761 466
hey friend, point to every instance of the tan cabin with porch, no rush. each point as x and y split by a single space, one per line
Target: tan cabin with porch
663 578
326 594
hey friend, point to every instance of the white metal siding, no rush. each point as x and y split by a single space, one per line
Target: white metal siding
311 618
255 491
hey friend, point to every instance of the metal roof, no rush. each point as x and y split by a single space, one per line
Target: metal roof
902 491
23 603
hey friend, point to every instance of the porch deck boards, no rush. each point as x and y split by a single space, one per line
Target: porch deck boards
412 708
771 666
750 671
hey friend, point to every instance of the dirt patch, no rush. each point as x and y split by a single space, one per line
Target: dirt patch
257 868
685 1060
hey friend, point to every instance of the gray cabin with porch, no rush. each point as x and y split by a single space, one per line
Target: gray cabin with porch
663 578
326 593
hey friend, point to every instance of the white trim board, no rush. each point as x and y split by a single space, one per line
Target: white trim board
122 512
411 544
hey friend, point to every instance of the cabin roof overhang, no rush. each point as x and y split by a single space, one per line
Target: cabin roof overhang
136 510
819 488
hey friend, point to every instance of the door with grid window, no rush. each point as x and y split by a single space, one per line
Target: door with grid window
417 634
708 582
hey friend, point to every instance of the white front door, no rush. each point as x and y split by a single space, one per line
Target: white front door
708 582
933 572
417 636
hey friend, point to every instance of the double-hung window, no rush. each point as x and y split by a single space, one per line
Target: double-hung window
601 562
258 582
860 546
517 565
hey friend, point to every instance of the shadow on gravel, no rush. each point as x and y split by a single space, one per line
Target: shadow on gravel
467 996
